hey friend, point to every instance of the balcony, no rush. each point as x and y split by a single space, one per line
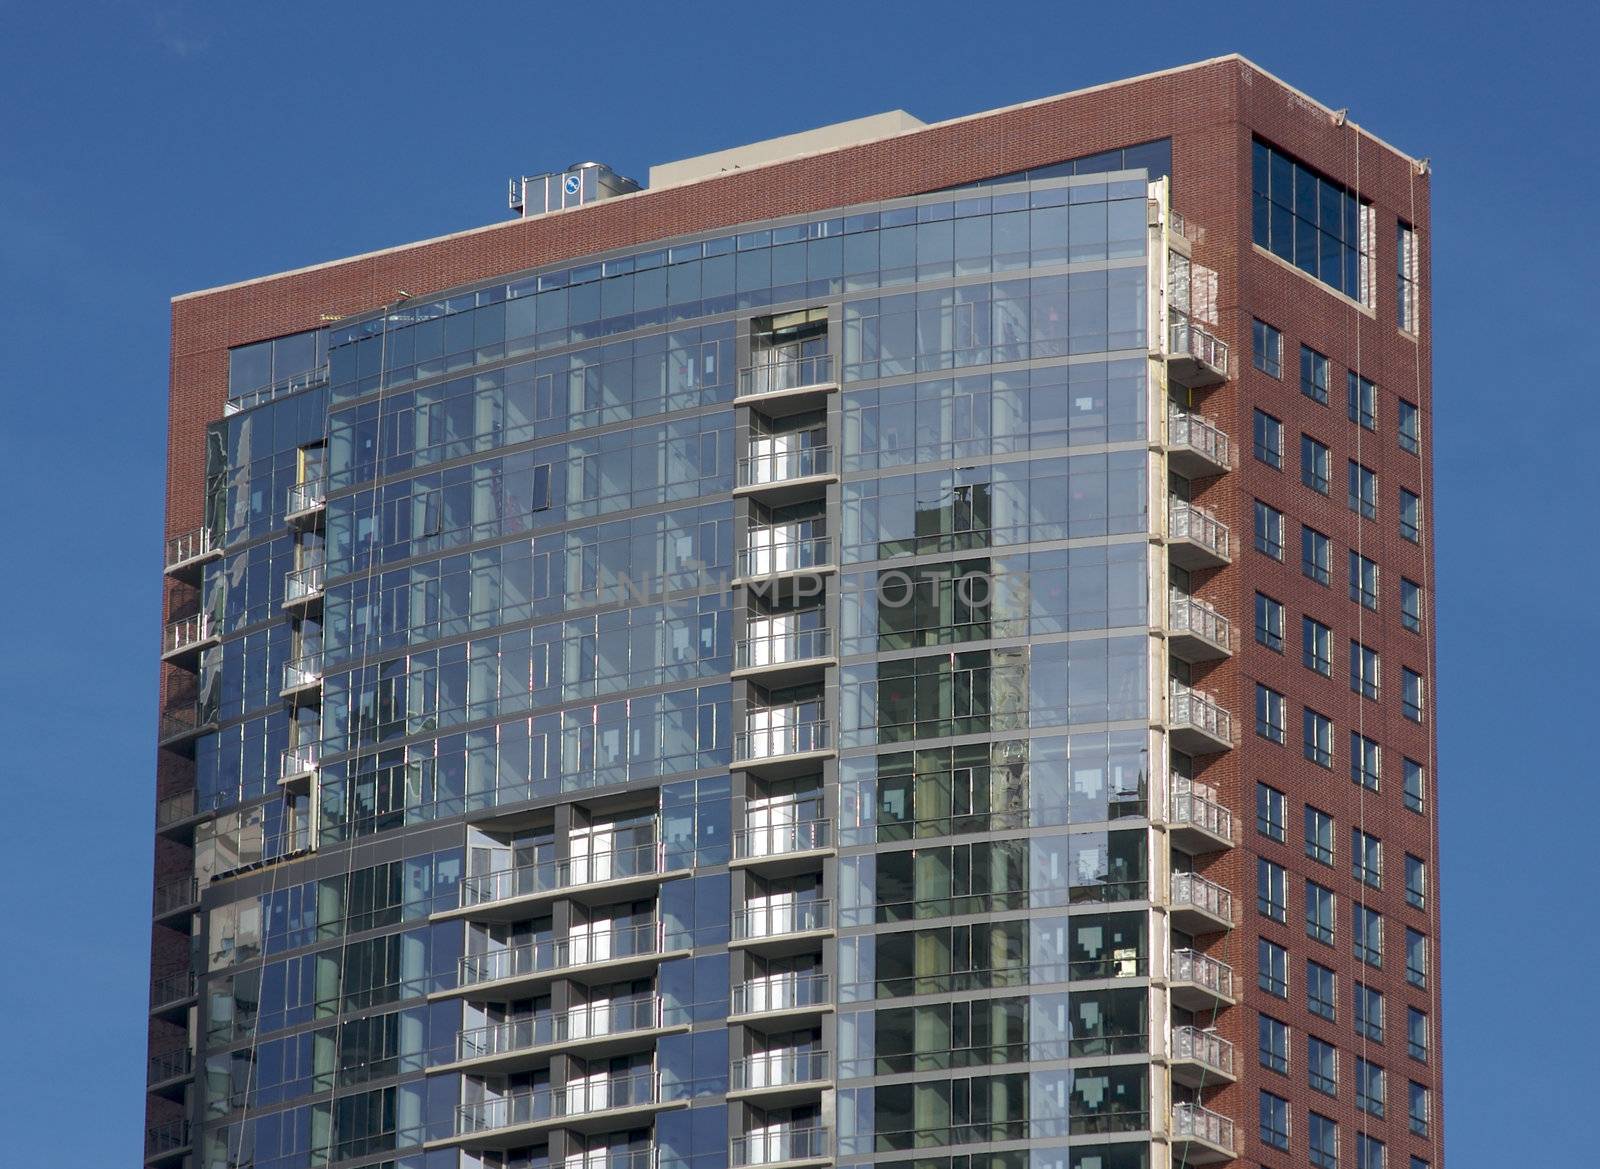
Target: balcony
780 1078
1196 724
783 847
1196 358
1200 1136
783 551
1201 1059
187 636
1199 982
782 748
1196 446
1200 906
166 1141
302 676
1195 631
783 374
506 894
1196 538
787 927
785 475
302 588
176 814
507 1121
169 1069
1198 822
306 502
784 657
182 724
782 1146
186 553
783 1000
297 766
174 897
593 1030
514 973
171 991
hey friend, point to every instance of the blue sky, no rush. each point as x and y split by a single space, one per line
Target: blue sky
150 149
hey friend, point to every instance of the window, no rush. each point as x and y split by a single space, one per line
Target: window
1274 1043
1319 835
1318 745
1316 465
1413 784
1366 858
1367 931
1363 490
1416 881
1266 348
1406 303
1272 890
1411 605
1322 991
1319 912
1368 1004
1272 968
1270 804
1269 530
1322 1066
1269 714
1366 761
1370 1087
1269 440
1417 1034
1313 375
1316 642
1410 515
1318 225
1416 958
1363 580
1362 398
1417 1162
1363 670
1417 1108
1274 1121
1269 622
1322 1139
1316 555
1409 427
1411 694
1369 1152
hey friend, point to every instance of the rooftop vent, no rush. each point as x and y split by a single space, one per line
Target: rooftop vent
580 183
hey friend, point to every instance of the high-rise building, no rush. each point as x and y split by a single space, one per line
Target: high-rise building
902 645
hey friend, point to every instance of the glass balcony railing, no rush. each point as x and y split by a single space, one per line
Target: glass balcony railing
303 673
169 1065
303 585
773 921
306 498
167 1136
1196 711
1188 616
785 371
298 761
772 840
1206 1048
188 633
775 994
588 1022
190 548
772 742
784 648
289 385
1198 438
1190 524
555 875
1198 808
545 1105
182 722
1191 1122
762 468
1192 891
550 955
772 551
171 986
171 896
1203 971
174 809
780 1143
1202 356
779 1069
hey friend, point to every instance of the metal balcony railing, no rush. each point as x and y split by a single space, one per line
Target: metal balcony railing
169 1065
306 497
303 672
591 1021
771 552
778 1069
763 467
1203 971
1200 711
189 633
1201 435
289 385
189 548
1191 522
775 1145
302 584
787 992
1203 1047
180 722
176 808
1192 1122
782 649
1186 614
171 896
1190 340
297 761
547 956
171 986
783 371
1193 890
781 839
554 875
539 1105
167 1136
773 921
1198 808
774 742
